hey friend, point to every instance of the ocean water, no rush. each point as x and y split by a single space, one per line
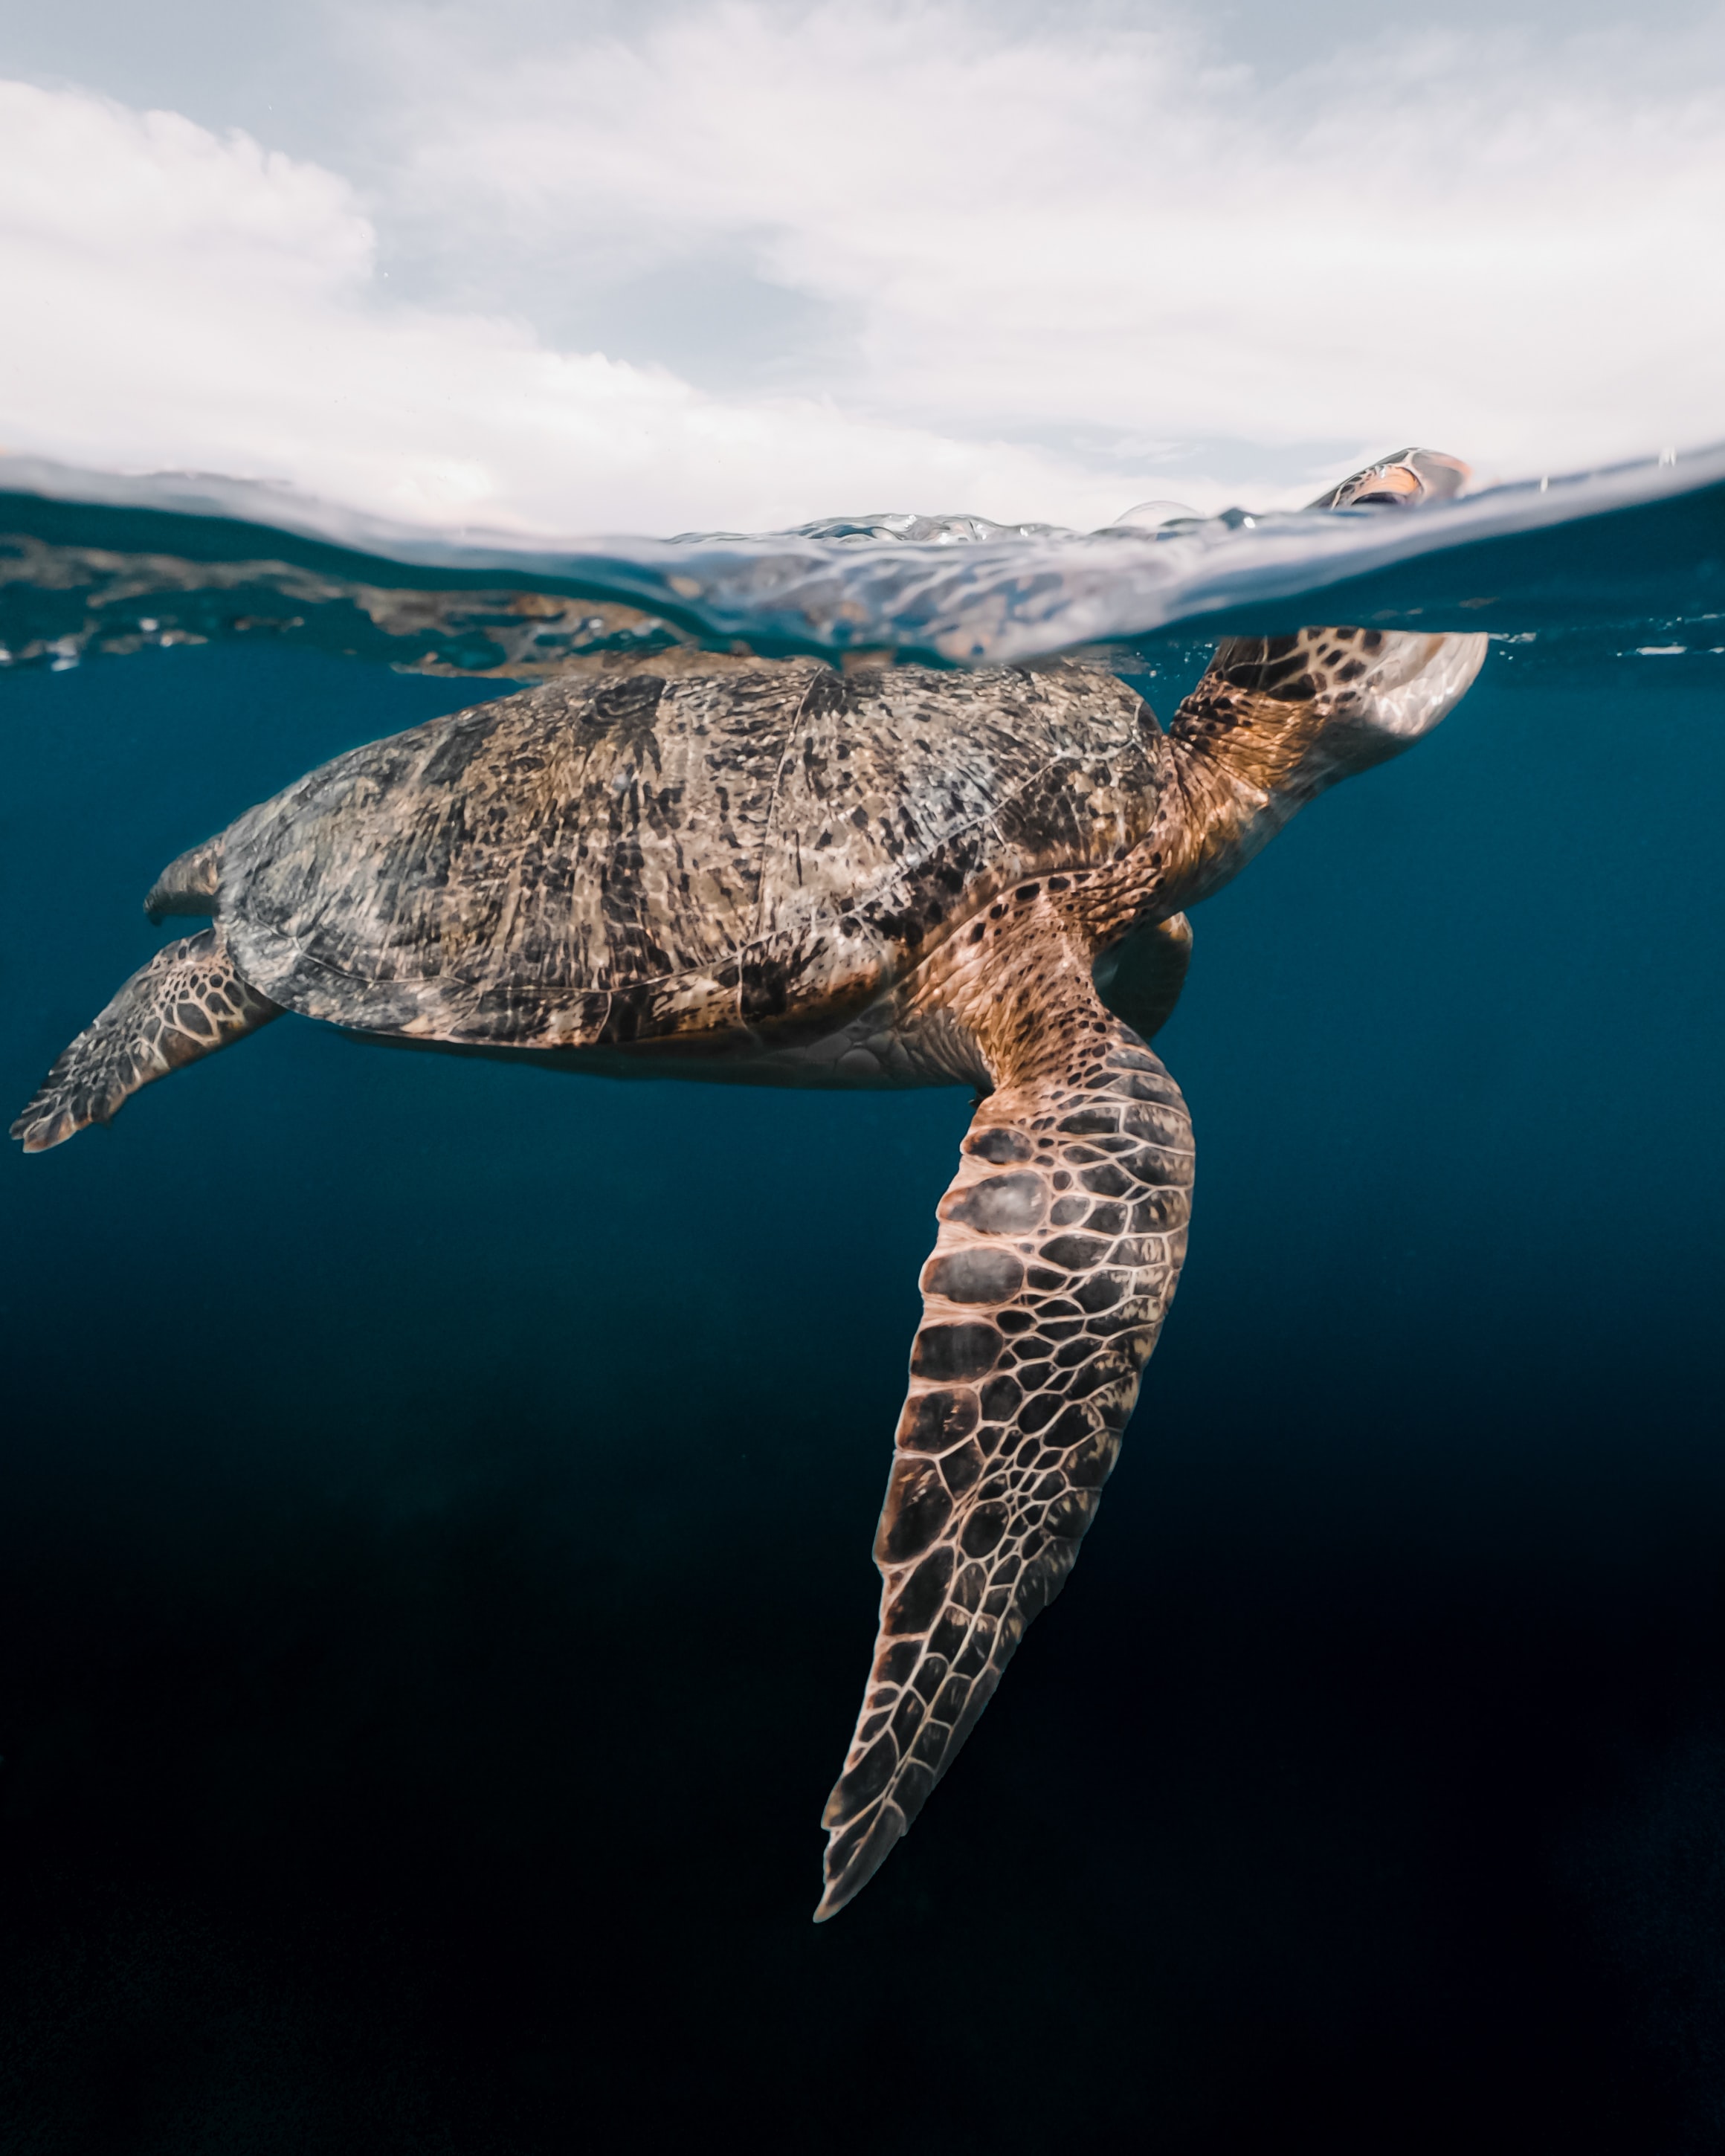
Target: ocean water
438 1495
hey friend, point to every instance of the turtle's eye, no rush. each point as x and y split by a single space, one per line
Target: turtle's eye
1392 483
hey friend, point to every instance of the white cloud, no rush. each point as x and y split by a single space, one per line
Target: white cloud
1049 229
1013 264
182 300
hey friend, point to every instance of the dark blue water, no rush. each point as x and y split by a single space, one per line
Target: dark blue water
438 1498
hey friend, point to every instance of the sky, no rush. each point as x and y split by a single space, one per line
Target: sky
559 266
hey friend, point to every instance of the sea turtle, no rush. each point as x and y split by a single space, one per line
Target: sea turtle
726 867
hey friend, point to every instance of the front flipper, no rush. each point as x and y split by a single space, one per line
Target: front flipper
1060 1245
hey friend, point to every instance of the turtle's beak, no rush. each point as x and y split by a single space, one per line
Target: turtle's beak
1408 477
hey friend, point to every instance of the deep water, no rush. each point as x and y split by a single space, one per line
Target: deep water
438 1495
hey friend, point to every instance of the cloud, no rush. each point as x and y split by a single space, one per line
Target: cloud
189 301
1048 230
741 265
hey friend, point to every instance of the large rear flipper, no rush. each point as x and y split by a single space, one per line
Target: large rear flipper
1060 1245
186 1002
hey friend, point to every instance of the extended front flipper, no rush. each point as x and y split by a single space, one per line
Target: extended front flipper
1060 1241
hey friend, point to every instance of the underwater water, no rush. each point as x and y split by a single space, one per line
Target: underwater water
438 1495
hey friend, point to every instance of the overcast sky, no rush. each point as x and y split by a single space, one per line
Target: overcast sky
581 268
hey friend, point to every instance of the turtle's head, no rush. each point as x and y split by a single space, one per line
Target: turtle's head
1402 481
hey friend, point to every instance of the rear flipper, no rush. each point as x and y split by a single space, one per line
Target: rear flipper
187 1001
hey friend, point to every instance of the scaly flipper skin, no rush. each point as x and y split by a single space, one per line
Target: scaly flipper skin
187 1001
1060 1245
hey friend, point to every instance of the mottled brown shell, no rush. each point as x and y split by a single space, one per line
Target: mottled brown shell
672 853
